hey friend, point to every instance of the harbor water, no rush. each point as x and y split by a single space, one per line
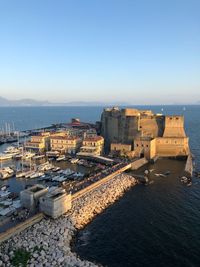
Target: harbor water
155 225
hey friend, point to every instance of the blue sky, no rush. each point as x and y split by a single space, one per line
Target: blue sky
139 51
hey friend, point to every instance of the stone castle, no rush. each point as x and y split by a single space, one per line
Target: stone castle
141 133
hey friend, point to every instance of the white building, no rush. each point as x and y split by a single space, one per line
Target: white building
30 197
55 203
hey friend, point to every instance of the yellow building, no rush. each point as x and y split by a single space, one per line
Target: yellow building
119 149
93 145
39 143
65 143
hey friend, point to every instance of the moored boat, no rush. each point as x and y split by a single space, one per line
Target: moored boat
61 158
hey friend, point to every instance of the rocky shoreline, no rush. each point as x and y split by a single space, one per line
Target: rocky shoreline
48 243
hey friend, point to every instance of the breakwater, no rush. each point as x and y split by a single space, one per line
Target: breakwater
189 165
48 242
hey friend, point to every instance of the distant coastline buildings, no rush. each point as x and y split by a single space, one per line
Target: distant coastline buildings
128 133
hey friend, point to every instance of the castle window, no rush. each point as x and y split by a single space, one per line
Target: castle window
177 118
147 146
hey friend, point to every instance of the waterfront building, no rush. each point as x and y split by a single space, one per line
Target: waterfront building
93 145
39 143
149 134
65 143
55 203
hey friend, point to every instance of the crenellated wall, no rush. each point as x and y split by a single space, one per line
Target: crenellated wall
152 134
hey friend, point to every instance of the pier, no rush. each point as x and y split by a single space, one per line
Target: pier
75 196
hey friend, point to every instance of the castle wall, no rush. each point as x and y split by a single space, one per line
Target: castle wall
151 126
153 135
110 127
172 147
174 126
129 128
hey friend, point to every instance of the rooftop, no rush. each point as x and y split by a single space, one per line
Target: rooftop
56 193
93 138
66 137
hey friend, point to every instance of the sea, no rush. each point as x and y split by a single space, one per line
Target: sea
155 225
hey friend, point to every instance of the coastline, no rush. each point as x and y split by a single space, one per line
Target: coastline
50 241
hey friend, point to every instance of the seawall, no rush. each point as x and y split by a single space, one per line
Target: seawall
138 163
189 165
21 226
49 240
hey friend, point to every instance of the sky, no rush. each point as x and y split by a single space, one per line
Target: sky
137 51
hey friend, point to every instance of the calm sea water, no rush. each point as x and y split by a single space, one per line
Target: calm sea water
155 225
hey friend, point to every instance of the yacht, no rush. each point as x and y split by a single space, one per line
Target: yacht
12 150
5 156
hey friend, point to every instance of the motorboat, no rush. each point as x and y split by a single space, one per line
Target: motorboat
37 157
160 175
4 194
6 172
56 169
78 174
61 158
67 172
28 155
20 174
4 187
7 211
29 174
52 154
36 175
45 166
74 160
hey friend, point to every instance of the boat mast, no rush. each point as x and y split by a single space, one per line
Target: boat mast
22 158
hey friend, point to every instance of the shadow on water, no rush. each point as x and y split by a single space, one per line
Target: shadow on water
155 225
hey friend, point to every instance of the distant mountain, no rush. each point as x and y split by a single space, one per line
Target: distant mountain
100 104
31 102
22 102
